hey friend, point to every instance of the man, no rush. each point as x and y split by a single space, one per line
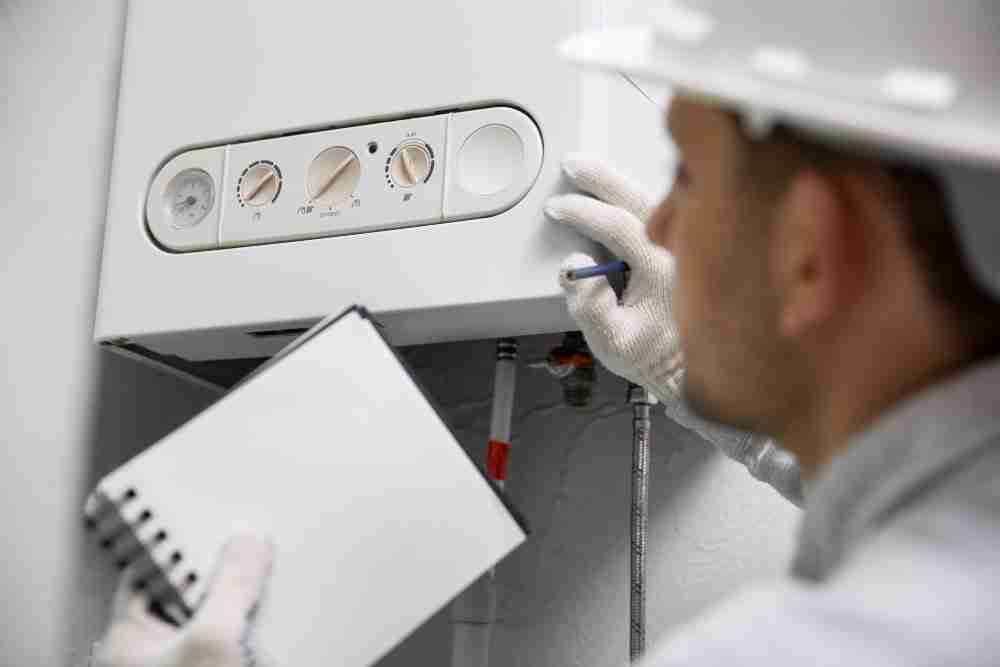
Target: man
835 285
827 268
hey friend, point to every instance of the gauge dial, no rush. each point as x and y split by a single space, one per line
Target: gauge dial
333 176
260 184
188 198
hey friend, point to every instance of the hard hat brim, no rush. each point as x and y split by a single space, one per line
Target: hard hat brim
926 126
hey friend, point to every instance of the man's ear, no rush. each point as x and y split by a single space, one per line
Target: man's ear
812 252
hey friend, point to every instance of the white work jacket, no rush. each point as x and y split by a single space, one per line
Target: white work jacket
898 560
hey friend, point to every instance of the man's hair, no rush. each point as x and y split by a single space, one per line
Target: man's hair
926 213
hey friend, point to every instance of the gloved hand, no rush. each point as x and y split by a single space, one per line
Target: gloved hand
637 338
218 634
762 457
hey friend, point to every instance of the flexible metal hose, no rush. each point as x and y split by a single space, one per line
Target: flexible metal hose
641 401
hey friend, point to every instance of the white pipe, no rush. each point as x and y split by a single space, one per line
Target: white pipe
504 382
474 612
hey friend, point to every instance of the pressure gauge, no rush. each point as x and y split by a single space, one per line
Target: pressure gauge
188 198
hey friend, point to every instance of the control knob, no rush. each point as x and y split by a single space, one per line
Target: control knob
333 176
259 184
411 164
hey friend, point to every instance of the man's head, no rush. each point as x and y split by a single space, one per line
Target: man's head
804 271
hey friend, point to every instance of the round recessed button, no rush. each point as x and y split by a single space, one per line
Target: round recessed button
490 160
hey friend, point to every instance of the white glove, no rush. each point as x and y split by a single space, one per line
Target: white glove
762 457
637 338
217 636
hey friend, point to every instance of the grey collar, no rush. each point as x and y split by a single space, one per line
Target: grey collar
902 457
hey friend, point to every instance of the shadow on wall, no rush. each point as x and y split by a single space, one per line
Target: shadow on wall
567 591
563 596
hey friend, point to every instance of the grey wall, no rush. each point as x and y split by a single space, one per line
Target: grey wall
563 596
69 413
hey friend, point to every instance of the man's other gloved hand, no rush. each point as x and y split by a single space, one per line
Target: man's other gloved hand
217 636
637 338
762 457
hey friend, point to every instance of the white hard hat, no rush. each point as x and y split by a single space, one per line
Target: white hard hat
914 78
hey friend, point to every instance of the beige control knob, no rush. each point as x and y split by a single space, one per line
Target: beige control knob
333 176
260 184
411 164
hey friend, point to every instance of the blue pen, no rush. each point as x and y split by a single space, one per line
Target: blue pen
617 266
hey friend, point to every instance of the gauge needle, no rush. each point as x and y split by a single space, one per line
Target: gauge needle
408 168
333 176
264 181
188 202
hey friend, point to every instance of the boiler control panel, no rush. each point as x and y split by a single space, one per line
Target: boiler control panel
363 178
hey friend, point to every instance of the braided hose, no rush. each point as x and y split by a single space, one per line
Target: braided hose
641 401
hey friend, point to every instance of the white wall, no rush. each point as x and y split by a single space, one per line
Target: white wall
69 413
67 410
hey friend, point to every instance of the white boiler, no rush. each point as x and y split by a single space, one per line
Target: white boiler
277 161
